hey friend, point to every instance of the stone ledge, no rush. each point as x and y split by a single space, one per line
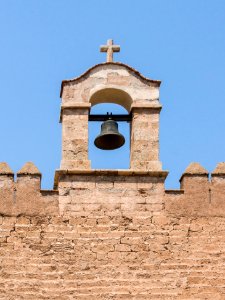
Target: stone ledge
105 172
74 106
49 192
194 175
77 105
146 105
218 175
174 192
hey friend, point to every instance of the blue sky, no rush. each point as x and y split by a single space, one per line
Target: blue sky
179 42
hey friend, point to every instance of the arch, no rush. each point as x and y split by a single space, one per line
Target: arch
132 70
112 95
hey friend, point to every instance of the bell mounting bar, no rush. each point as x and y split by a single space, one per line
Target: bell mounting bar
117 118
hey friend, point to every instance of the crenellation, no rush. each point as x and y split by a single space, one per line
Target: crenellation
24 196
85 193
112 234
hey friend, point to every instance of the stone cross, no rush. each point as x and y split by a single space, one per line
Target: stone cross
110 48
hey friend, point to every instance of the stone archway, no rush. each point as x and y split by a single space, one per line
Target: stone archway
112 95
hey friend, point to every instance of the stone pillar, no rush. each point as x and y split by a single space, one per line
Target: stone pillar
75 137
144 149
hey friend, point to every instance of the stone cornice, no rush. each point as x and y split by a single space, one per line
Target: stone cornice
174 192
78 105
153 106
99 172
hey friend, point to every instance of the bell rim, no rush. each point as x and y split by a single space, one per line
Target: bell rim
122 139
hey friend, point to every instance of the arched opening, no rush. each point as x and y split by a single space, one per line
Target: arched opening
112 95
108 159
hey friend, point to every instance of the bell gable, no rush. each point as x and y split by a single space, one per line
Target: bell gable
103 79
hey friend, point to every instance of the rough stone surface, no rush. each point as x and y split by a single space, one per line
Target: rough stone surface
118 235
220 169
29 168
5 169
195 168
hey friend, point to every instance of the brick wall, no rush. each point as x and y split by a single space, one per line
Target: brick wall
112 235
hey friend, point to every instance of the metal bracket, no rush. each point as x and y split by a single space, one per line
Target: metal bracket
117 118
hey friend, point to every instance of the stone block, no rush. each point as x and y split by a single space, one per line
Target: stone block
75 164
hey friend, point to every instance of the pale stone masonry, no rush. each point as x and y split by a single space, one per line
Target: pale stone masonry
112 234
120 84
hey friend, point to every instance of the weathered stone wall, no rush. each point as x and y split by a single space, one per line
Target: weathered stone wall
112 235
23 195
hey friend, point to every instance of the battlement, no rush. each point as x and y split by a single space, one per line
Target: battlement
104 227
200 195
85 192
24 196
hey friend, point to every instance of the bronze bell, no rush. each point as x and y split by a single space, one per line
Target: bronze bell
109 138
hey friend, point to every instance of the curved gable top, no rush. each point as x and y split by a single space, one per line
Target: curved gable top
132 70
